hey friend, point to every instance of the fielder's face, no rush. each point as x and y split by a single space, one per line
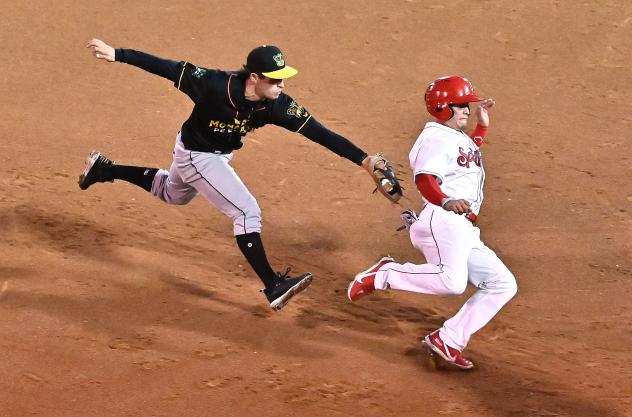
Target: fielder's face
460 117
269 88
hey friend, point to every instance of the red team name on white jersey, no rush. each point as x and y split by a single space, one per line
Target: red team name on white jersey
454 158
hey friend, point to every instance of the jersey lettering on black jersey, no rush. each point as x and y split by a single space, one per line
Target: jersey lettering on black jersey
222 116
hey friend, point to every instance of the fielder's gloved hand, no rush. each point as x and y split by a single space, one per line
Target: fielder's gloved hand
385 179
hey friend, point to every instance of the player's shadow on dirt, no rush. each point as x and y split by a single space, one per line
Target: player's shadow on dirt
57 231
128 318
124 312
80 236
74 236
13 273
189 287
506 388
266 323
509 389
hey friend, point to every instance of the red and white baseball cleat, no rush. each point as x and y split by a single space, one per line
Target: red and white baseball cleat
451 355
364 282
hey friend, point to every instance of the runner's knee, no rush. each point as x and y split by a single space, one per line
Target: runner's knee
504 283
455 282
509 285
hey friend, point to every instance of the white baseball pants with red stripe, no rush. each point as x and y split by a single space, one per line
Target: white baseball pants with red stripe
455 254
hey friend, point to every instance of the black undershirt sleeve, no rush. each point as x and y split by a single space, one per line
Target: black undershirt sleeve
163 67
340 145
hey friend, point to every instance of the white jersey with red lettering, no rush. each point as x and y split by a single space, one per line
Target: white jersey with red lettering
451 242
454 158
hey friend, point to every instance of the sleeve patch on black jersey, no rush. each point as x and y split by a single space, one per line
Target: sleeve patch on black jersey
297 110
199 72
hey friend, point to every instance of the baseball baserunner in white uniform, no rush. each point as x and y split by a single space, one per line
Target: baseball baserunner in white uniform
449 174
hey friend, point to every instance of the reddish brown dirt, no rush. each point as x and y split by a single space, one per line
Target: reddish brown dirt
114 304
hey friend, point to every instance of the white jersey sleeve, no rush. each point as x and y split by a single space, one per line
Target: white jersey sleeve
432 158
429 156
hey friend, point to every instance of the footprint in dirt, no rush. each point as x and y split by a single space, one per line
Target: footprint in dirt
136 342
220 382
155 364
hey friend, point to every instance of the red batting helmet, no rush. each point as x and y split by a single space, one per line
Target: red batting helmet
448 90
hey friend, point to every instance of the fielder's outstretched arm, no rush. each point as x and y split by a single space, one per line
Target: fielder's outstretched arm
336 143
163 67
378 167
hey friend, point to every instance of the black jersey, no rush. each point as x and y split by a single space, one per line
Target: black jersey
221 116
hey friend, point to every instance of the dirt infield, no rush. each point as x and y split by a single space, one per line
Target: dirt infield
114 304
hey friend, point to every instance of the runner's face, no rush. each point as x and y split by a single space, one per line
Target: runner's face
269 88
460 117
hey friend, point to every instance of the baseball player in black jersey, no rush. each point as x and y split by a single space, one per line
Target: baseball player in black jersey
227 106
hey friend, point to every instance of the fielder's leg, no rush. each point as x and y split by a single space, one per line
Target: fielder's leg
100 168
213 177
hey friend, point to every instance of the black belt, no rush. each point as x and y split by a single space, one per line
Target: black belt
216 148
220 151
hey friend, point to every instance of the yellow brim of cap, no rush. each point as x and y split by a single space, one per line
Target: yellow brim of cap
281 74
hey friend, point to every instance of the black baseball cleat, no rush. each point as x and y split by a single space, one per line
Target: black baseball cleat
285 288
96 170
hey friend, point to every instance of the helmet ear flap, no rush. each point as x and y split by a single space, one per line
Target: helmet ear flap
441 113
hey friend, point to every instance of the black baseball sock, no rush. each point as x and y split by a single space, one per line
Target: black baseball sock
141 176
252 248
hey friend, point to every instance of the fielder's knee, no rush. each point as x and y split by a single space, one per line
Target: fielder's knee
182 200
179 200
247 221
162 188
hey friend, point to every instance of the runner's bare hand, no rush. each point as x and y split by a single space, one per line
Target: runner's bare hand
458 206
482 109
